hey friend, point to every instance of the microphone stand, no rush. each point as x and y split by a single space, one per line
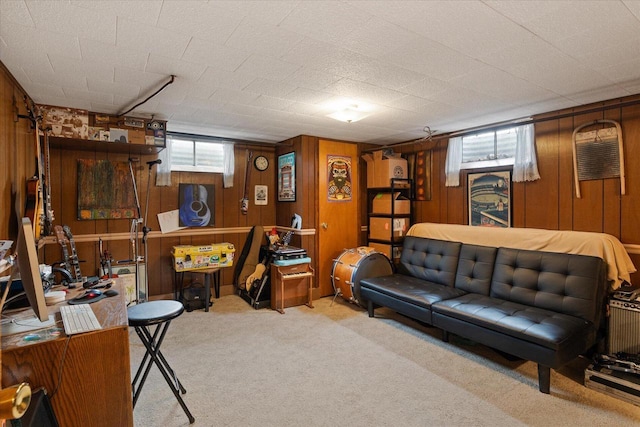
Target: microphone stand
139 296
146 229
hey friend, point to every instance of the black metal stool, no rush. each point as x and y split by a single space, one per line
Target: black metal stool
159 313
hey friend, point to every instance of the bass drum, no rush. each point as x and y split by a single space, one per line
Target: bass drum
354 265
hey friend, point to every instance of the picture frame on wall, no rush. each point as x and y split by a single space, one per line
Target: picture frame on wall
196 205
261 195
489 198
287 177
339 178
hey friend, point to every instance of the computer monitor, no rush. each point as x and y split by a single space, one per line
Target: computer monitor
28 267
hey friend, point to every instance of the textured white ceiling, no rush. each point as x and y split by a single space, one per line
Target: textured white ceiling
271 70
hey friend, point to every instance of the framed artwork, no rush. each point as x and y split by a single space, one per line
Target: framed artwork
339 178
287 177
489 196
196 205
261 195
105 190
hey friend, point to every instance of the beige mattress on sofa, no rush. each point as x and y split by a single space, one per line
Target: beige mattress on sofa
601 245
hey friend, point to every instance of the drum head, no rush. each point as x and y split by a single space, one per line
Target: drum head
354 265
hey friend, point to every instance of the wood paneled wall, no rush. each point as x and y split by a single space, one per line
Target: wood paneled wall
226 206
548 203
551 202
306 203
17 154
17 163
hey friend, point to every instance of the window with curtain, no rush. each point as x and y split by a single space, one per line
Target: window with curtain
512 146
196 155
494 148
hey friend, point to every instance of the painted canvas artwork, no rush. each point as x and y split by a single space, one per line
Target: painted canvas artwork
105 190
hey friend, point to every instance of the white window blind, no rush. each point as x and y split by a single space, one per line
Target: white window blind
196 155
497 147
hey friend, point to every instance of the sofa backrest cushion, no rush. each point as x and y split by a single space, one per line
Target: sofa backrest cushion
430 259
565 283
475 268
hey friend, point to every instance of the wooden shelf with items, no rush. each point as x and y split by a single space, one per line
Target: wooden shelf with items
390 214
75 129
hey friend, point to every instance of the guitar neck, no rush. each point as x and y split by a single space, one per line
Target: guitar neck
74 254
74 261
63 244
47 208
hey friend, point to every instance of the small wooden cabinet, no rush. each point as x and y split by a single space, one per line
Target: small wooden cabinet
291 285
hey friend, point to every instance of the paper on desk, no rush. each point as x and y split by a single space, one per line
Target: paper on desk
5 245
169 221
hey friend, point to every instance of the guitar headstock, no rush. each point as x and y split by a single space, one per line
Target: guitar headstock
60 236
67 232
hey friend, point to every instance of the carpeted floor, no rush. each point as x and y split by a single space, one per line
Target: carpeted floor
334 366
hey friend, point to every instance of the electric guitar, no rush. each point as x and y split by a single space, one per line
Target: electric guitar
244 203
105 262
62 240
46 191
34 206
74 254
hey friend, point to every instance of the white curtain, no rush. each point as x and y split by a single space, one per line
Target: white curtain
453 162
525 166
163 173
229 166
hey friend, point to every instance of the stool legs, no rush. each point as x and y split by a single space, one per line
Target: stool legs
153 354
207 292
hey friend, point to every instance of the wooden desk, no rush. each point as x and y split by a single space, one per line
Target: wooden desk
299 286
87 376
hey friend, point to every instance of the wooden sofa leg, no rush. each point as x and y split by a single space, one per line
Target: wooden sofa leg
370 308
544 379
445 336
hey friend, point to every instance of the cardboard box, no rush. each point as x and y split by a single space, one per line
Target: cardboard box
380 228
137 136
382 204
187 257
381 168
393 253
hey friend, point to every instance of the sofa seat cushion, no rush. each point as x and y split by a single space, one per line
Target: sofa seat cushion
549 329
410 289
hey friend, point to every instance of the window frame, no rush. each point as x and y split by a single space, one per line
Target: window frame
489 163
194 139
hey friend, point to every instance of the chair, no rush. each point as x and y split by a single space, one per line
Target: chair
141 317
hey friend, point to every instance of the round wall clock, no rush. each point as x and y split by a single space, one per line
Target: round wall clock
261 163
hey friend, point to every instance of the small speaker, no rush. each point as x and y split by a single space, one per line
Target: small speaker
624 327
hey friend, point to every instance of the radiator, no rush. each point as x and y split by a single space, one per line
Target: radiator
624 327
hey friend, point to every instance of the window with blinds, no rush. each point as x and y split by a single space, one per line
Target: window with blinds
494 148
194 155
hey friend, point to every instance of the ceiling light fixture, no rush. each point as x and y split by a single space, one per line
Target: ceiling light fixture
349 114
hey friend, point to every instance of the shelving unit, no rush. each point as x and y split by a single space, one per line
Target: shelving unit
86 130
387 227
111 147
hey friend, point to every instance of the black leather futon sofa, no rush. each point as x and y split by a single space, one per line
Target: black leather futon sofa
544 307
